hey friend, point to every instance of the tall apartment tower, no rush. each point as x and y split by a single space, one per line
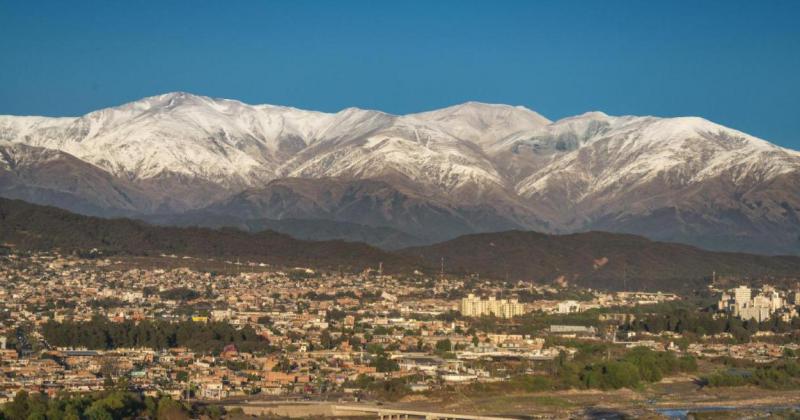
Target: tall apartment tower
474 307
742 295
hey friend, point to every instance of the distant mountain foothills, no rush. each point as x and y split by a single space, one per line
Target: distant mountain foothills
306 229
32 227
398 180
602 260
593 259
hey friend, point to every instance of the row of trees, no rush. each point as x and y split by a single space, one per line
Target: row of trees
116 404
781 375
638 365
684 321
180 293
590 371
384 389
101 334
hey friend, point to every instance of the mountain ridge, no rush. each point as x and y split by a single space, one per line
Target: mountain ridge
594 259
482 166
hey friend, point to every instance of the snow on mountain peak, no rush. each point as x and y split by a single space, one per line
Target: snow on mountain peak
611 153
487 163
484 112
471 144
480 123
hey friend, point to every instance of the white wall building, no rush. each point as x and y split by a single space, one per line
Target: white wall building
568 307
502 308
742 303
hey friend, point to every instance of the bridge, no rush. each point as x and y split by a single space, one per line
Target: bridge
400 414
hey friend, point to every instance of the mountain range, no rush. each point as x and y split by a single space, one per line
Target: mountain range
592 259
400 180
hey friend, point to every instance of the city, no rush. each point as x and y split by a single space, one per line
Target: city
249 333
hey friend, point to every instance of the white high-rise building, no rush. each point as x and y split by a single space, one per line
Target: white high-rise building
474 307
741 302
741 295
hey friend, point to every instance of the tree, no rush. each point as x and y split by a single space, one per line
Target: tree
118 404
19 407
384 364
151 406
98 413
621 375
355 342
375 348
444 346
169 409
326 340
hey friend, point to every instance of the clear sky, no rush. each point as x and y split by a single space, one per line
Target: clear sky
733 62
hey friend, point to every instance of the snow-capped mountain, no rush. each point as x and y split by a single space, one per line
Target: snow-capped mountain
594 158
469 167
53 177
230 142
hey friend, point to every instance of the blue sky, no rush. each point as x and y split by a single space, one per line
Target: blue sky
733 62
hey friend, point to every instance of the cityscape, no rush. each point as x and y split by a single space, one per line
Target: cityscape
246 337
399 210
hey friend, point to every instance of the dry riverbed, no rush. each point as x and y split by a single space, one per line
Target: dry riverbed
649 402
